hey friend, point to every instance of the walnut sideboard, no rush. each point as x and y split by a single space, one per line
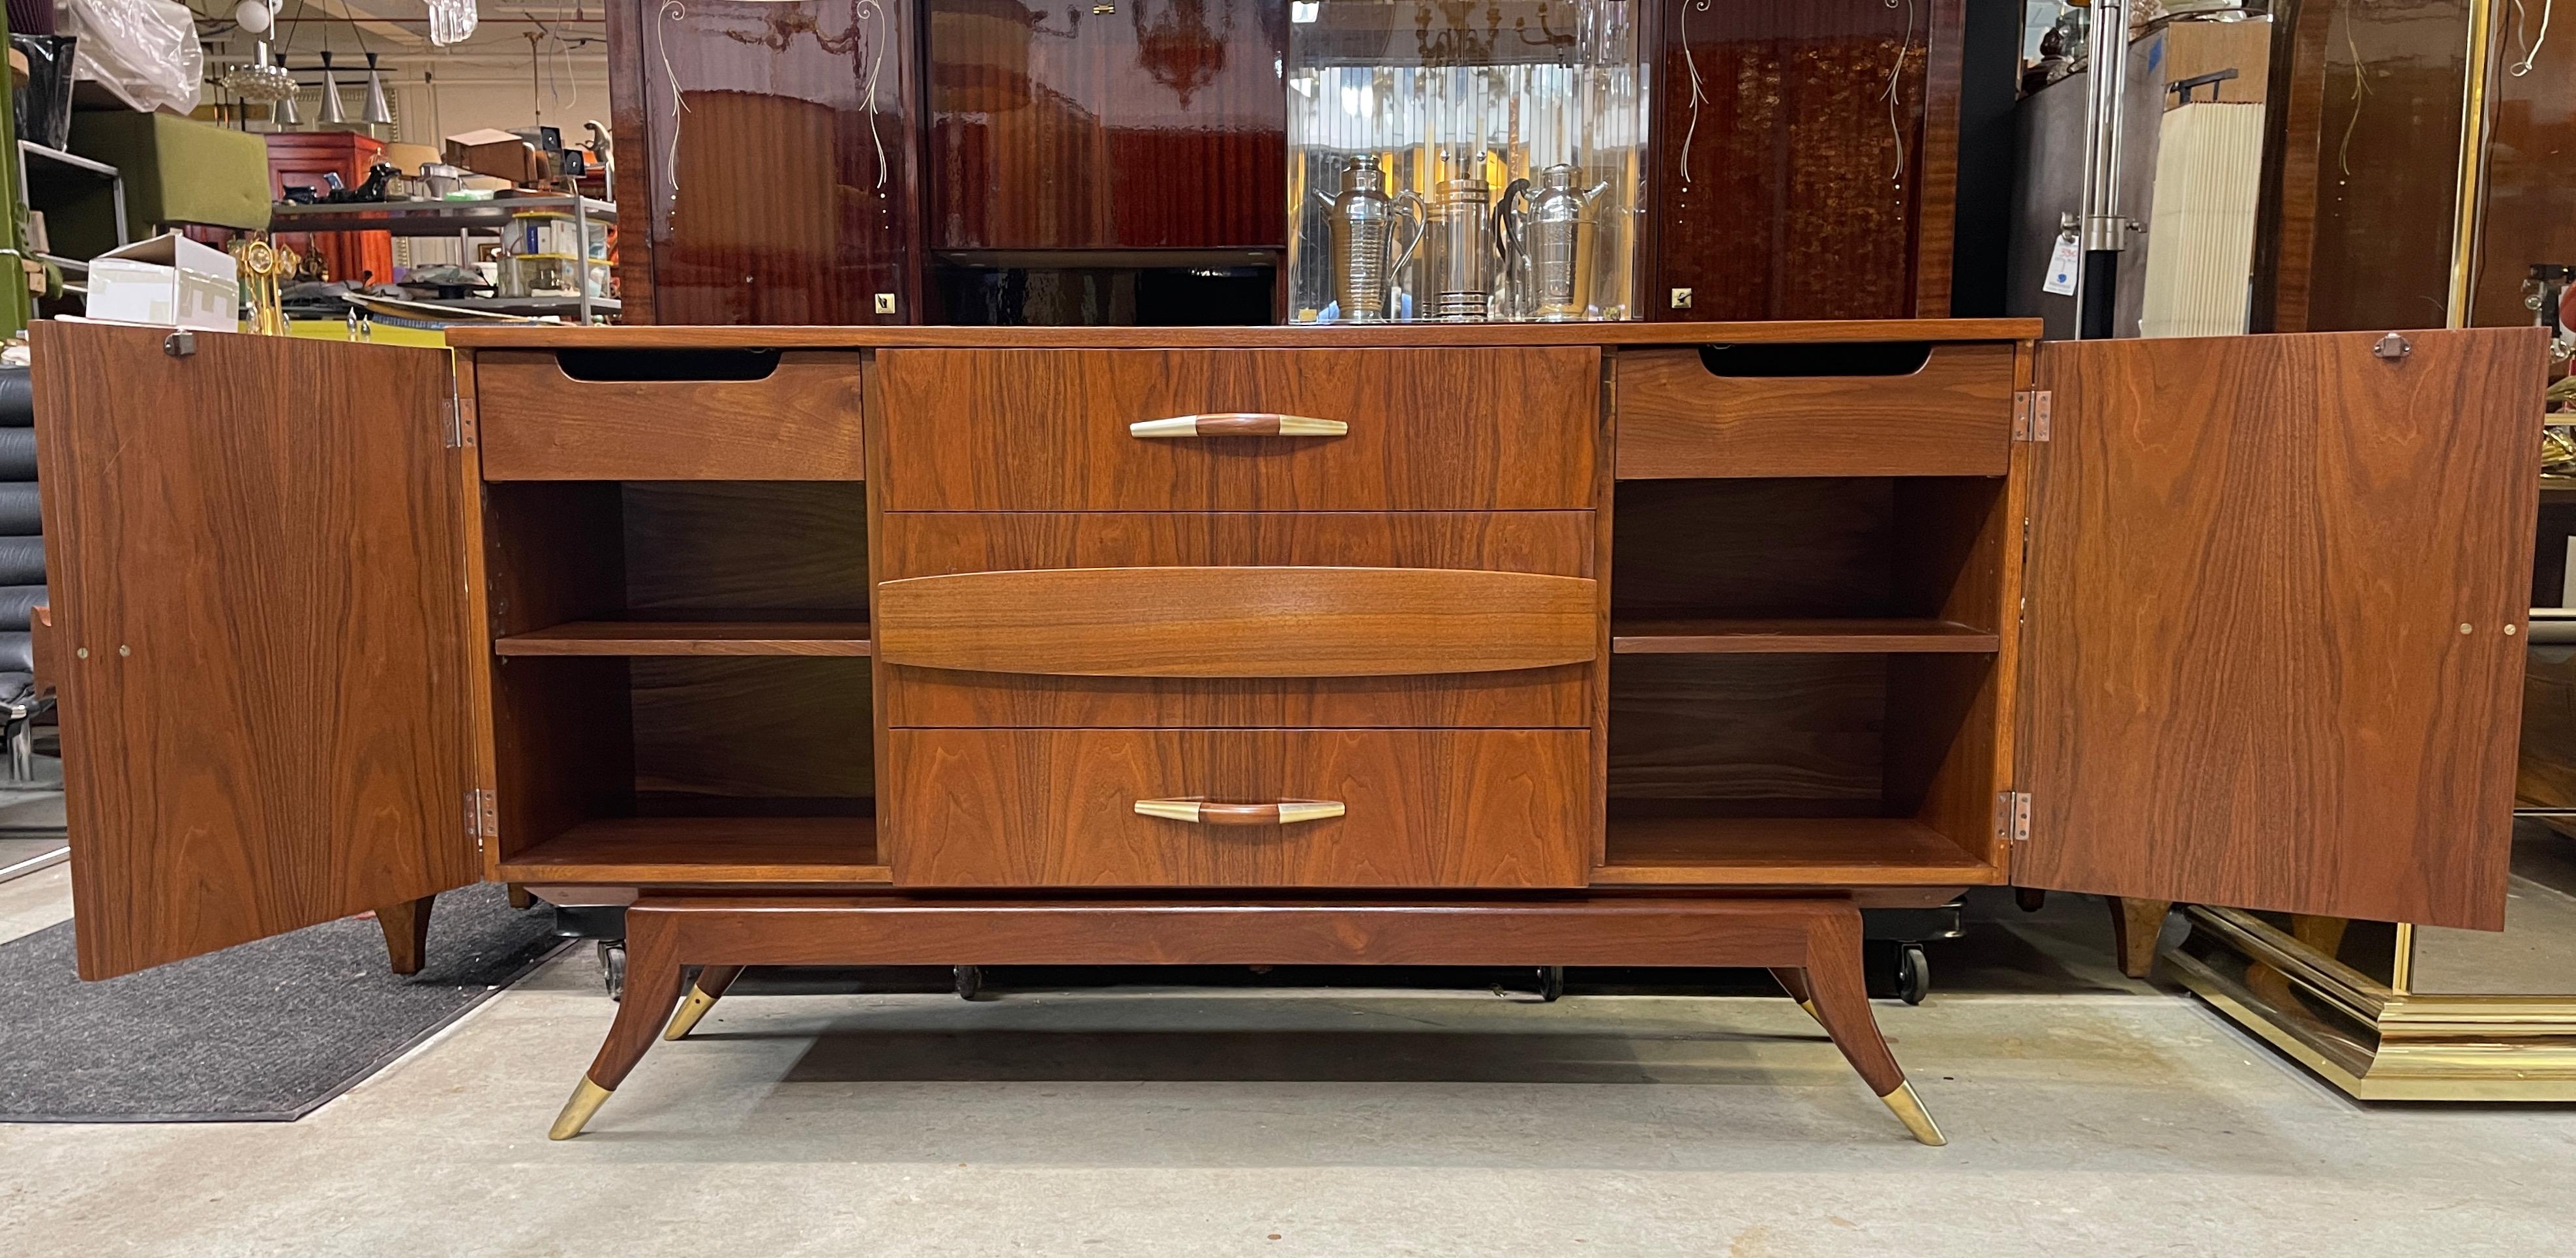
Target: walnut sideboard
1576 644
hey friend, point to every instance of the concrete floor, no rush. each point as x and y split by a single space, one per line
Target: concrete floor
2086 1114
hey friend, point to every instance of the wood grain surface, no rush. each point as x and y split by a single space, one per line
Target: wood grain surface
1812 548
837 336
1785 851
225 547
896 929
782 728
1716 636
1006 430
691 637
739 547
1237 621
1770 734
931 544
1953 417
700 851
2270 582
1427 808
801 422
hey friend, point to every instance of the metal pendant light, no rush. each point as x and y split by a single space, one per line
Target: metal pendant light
285 117
331 111
379 112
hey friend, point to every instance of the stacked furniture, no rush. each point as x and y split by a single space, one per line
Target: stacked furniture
1632 644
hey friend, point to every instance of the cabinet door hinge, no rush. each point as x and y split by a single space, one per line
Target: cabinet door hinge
2012 816
480 821
460 421
2030 415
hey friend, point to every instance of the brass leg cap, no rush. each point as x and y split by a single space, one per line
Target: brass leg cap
1909 1110
1810 1007
587 1097
692 1009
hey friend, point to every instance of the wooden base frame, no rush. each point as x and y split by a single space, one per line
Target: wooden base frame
2373 1042
1813 944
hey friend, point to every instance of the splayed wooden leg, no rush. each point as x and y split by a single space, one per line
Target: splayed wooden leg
703 995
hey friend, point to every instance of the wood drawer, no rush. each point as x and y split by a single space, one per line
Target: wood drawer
1058 808
622 415
1951 415
1427 429
1404 679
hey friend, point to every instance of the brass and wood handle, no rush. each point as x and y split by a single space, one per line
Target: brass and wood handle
1238 424
1286 812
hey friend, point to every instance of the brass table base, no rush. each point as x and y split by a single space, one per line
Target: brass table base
2375 1043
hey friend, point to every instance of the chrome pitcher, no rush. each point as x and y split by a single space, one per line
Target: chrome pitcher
1363 224
1547 235
1460 252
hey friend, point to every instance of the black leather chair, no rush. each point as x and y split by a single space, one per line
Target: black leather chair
22 569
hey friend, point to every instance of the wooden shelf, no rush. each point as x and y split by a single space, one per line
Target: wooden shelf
1723 636
630 851
1804 851
693 637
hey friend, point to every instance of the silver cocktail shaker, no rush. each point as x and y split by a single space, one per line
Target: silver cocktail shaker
1459 250
1364 221
1552 232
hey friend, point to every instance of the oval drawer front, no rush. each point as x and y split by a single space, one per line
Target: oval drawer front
1238 808
1455 429
792 415
1238 622
1950 416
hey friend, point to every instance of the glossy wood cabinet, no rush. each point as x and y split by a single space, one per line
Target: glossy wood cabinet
1506 612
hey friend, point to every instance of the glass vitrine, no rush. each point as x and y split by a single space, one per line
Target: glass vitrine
1463 160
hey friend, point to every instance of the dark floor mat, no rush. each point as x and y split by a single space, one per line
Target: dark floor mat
260 1033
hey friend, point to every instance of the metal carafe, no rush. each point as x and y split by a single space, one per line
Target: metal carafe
1460 251
1547 237
1364 222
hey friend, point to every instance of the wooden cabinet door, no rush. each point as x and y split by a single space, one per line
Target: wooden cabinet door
2272 652
259 625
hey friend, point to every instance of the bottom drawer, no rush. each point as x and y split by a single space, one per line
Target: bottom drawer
1281 808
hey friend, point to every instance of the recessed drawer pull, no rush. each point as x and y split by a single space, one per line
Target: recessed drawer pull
1199 811
1238 424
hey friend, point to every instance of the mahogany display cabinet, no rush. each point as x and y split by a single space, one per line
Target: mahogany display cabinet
1644 644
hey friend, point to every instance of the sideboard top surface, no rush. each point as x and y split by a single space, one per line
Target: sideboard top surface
1264 337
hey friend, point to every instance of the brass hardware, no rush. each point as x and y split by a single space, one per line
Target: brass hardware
2012 816
1287 812
885 303
1237 424
1810 1007
2467 628
1681 299
123 649
587 1097
2030 415
692 1009
1103 10
83 652
2510 630
1909 1111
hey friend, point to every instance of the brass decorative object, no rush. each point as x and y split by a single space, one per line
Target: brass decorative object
586 1099
1909 1110
265 266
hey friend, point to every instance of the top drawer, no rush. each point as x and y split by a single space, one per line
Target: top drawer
669 414
1059 430
1792 409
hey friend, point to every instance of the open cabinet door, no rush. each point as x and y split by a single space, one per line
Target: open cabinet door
257 592
2273 604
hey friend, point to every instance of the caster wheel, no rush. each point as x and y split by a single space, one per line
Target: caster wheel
1913 974
612 967
970 981
1551 983
2029 899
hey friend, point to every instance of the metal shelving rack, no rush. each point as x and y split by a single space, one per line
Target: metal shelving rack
72 161
462 219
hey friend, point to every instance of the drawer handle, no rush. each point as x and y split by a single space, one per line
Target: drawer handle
1286 812
1238 424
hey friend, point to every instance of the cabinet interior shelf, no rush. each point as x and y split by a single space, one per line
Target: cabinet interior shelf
695 850
693 637
1710 635
1773 852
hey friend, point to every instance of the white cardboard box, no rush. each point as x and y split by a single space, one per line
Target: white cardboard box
168 280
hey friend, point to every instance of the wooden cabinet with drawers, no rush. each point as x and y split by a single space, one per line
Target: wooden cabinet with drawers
1645 644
